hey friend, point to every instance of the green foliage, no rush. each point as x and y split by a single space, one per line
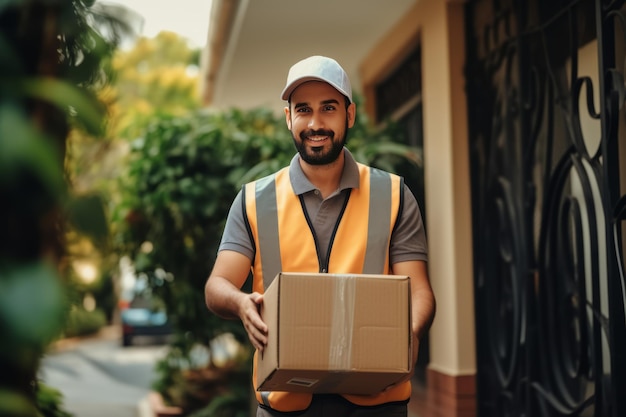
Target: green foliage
33 155
81 322
31 306
16 403
156 75
50 60
103 292
50 402
87 216
64 96
202 390
181 179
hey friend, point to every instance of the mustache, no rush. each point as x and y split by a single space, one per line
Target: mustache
319 132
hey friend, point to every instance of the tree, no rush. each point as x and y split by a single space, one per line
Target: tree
152 76
181 178
51 58
158 75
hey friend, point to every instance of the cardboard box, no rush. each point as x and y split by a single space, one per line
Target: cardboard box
335 333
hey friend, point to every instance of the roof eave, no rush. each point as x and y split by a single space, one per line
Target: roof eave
221 25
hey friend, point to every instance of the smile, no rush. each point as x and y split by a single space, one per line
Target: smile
317 138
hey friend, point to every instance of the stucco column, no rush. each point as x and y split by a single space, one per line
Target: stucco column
438 27
452 368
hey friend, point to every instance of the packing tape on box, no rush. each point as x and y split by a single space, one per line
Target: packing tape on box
340 352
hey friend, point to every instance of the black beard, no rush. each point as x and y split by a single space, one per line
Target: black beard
316 157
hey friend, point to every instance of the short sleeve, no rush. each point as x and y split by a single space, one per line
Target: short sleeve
236 236
408 240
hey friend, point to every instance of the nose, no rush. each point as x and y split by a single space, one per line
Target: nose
315 121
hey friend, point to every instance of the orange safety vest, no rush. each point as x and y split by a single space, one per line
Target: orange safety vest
360 245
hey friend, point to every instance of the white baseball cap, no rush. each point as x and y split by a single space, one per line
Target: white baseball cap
317 68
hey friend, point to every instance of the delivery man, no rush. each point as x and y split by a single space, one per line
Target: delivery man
324 213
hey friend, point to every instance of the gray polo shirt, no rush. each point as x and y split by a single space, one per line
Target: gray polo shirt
408 241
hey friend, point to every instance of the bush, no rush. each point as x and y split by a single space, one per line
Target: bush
50 401
81 322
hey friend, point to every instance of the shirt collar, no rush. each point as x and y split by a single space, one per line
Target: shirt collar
301 184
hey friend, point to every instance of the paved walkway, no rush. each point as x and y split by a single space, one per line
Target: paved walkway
75 366
98 378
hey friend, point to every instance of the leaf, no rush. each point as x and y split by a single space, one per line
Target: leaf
32 305
10 62
8 3
86 214
68 98
16 404
50 401
21 145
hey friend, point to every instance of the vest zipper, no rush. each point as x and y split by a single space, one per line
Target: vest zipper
323 264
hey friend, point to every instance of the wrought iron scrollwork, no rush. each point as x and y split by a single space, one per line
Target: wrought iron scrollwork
546 89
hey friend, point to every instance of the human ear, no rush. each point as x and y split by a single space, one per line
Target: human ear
288 117
351 114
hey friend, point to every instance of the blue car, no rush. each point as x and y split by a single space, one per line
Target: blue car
138 320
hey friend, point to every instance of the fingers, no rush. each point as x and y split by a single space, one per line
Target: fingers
257 298
253 323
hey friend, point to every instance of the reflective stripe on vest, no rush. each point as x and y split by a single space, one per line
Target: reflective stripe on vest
285 241
268 245
265 396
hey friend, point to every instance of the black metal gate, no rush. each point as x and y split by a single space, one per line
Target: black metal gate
545 83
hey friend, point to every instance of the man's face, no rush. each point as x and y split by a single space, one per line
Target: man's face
319 121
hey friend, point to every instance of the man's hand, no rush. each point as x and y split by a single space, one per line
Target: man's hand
224 297
253 323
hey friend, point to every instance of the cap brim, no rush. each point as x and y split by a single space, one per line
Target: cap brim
299 81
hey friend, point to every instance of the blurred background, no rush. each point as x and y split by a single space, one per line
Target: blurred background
127 128
116 179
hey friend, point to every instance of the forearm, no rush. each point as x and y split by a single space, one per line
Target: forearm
222 291
423 303
227 300
423 311
222 297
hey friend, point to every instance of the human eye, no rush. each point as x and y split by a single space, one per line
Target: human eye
329 105
303 109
